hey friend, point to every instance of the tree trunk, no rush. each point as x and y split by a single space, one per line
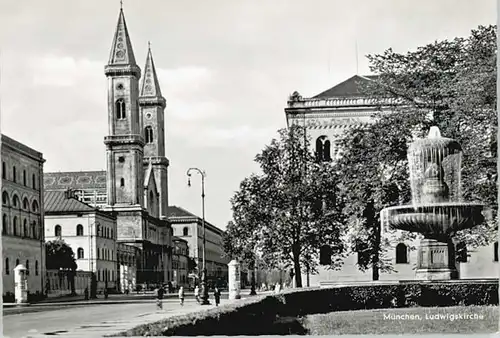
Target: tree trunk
296 267
376 252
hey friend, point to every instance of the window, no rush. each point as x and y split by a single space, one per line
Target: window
185 231
7 268
4 171
120 109
14 223
98 251
25 228
33 230
24 177
323 149
5 198
79 253
36 268
122 182
325 255
495 253
4 224
14 173
112 234
33 179
34 206
27 267
57 230
401 254
17 262
79 230
16 201
148 134
26 204
461 252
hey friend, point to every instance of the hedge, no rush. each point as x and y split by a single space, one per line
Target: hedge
278 314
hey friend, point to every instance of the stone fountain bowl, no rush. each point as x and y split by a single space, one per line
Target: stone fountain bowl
435 221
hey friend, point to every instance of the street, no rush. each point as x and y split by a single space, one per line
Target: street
71 319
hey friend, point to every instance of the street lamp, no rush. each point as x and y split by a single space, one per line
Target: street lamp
204 288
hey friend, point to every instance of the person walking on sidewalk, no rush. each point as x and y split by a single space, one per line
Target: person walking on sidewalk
181 295
159 297
217 296
197 294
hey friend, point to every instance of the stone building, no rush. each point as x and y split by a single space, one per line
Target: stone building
91 234
127 266
188 227
327 116
22 215
180 258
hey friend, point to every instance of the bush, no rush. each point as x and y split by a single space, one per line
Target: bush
270 315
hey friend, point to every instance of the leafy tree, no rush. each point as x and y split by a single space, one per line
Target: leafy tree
289 210
60 256
192 265
456 82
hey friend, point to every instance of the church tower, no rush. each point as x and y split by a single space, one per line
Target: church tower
125 143
152 106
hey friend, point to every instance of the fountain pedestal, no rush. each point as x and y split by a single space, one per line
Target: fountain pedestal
436 261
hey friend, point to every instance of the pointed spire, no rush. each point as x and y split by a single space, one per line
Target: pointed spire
150 84
121 50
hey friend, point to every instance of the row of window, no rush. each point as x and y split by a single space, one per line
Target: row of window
461 254
16 203
27 230
121 115
105 275
7 266
127 259
179 265
102 253
101 231
14 176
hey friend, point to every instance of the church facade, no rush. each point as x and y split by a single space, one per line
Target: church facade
326 117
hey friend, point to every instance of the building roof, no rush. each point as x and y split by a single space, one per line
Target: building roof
21 148
175 213
348 88
121 49
75 180
150 84
58 202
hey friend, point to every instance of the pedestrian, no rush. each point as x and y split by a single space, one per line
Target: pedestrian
197 294
86 293
217 296
181 295
159 297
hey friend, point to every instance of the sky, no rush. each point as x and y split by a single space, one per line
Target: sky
226 68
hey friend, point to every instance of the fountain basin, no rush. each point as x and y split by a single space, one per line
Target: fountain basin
435 221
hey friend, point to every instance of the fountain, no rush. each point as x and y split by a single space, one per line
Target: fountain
437 210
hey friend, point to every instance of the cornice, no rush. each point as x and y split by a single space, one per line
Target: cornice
122 70
152 101
124 140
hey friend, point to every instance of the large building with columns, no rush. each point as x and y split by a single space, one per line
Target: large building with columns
22 215
326 117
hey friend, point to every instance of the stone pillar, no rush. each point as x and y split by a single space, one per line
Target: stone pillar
234 279
436 260
21 284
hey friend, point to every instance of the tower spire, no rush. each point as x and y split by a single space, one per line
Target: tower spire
121 49
150 84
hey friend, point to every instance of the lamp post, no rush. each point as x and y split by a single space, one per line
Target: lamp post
204 289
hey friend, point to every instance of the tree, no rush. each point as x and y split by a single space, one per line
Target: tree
60 256
289 210
192 266
456 82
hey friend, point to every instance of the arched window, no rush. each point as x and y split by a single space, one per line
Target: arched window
79 230
461 252
79 253
36 268
16 202
495 253
401 254
185 231
7 268
4 224
148 134
120 109
57 230
14 174
323 152
33 179
27 267
5 198
14 225
33 230
26 204
122 182
25 228
325 255
34 206
4 171
24 177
